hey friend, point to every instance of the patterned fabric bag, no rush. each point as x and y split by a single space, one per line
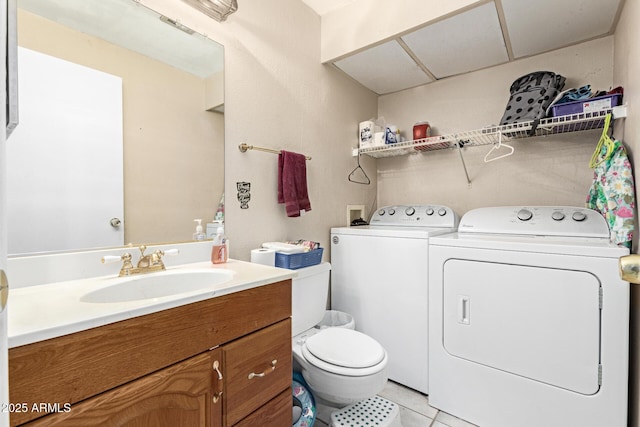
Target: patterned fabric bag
531 94
612 192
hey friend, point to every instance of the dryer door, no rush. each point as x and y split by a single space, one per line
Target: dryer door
536 322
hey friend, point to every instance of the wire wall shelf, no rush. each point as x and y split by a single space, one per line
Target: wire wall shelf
496 134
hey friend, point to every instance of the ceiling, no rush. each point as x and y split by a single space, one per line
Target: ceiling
492 33
325 6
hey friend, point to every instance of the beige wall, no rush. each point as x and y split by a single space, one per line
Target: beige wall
542 171
278 95
173 148
626 72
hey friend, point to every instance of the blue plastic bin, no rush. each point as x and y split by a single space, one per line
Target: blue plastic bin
295 261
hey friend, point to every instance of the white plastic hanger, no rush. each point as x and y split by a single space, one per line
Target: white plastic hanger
605 146
496 147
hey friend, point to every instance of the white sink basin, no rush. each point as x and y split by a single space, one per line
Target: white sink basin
158 285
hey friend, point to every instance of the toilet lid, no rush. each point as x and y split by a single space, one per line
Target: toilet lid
345 348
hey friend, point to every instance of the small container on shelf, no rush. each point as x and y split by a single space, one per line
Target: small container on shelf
592 105
391 134
421 131
365 135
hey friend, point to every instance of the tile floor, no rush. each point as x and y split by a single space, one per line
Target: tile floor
414 409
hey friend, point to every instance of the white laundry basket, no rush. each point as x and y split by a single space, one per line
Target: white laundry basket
374 411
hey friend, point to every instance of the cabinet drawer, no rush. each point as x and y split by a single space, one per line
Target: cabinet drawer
276 413
257 368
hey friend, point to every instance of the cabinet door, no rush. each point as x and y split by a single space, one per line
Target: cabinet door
257 369
276 413
184 394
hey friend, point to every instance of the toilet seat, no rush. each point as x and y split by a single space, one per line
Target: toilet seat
344 352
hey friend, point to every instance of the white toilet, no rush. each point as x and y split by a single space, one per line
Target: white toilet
340 365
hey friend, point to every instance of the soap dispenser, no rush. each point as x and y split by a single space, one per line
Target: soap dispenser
198 235
219 251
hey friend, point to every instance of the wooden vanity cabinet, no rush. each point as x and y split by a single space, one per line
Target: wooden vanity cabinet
225 362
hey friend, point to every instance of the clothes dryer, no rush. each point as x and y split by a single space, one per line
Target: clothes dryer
379 276
529 319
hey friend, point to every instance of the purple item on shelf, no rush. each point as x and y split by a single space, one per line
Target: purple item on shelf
591 105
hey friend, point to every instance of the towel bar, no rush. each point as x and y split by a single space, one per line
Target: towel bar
244 147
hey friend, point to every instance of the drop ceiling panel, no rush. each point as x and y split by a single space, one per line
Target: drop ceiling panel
384 68
539 26
469 41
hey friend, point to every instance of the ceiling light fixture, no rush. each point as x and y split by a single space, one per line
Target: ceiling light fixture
216 9
176 24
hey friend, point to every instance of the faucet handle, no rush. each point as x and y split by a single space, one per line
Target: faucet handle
156 257
127 266
107 259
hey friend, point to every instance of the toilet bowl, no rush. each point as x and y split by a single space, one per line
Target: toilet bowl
340 365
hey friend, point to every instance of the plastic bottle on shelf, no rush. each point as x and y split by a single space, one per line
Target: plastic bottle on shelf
219 251
198 235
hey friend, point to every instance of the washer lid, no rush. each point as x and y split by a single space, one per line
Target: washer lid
346 348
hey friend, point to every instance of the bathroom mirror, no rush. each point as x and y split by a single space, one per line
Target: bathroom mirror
172 125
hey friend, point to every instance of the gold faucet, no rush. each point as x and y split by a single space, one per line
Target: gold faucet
146 264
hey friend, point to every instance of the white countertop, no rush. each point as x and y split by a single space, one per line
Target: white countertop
37 313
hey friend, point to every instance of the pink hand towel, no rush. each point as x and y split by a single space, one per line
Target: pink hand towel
292 183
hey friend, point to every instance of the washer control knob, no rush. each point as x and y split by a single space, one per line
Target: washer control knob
579 216
442 211
524 215
429 211
392 211
557 215
381 212
410 211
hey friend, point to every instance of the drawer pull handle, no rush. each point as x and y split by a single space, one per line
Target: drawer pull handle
252 375
216 367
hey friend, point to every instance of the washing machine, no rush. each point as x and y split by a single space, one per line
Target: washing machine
379 276
529 320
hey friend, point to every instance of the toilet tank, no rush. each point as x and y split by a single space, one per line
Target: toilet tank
309 294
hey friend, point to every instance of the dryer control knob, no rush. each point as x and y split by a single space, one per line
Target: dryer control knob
392 211
557 215
442 211
524 215
381 212
429 211
579 216
410 211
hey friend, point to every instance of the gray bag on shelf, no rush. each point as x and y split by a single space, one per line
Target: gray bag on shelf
531 94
